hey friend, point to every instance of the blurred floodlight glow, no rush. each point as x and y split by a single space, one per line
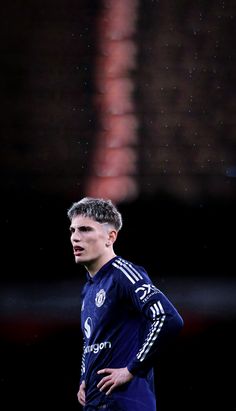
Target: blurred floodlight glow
119 20
115 61
116 188
114 161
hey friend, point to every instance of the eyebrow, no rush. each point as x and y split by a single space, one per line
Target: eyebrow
79 227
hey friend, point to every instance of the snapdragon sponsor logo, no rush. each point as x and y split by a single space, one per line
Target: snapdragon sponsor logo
88 327
146 291
95 348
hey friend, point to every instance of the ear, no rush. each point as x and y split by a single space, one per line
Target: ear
112 236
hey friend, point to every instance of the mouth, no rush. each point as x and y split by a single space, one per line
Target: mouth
78 250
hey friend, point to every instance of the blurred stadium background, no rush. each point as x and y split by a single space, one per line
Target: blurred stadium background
132 100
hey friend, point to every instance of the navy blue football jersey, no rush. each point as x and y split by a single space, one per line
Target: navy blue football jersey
124 320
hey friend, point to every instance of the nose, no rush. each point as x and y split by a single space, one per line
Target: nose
75 237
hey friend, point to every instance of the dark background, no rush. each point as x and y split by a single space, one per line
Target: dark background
180 226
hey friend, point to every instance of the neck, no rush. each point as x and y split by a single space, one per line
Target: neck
94 266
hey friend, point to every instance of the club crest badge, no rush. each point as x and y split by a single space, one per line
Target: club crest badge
100 298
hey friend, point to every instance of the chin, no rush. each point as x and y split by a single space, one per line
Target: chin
78 260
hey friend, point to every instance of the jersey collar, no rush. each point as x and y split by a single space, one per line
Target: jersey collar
103 270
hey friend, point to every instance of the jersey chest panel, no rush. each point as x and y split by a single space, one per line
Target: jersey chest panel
99 306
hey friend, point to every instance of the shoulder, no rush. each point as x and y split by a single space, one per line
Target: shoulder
127 271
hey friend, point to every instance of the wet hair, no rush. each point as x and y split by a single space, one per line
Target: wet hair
99 209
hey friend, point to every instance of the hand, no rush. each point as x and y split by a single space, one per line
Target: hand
115 377
81 393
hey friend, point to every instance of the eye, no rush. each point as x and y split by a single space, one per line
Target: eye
85 229
72 230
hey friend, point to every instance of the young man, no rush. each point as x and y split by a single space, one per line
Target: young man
125 319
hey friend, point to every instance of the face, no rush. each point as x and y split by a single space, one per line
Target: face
90 240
